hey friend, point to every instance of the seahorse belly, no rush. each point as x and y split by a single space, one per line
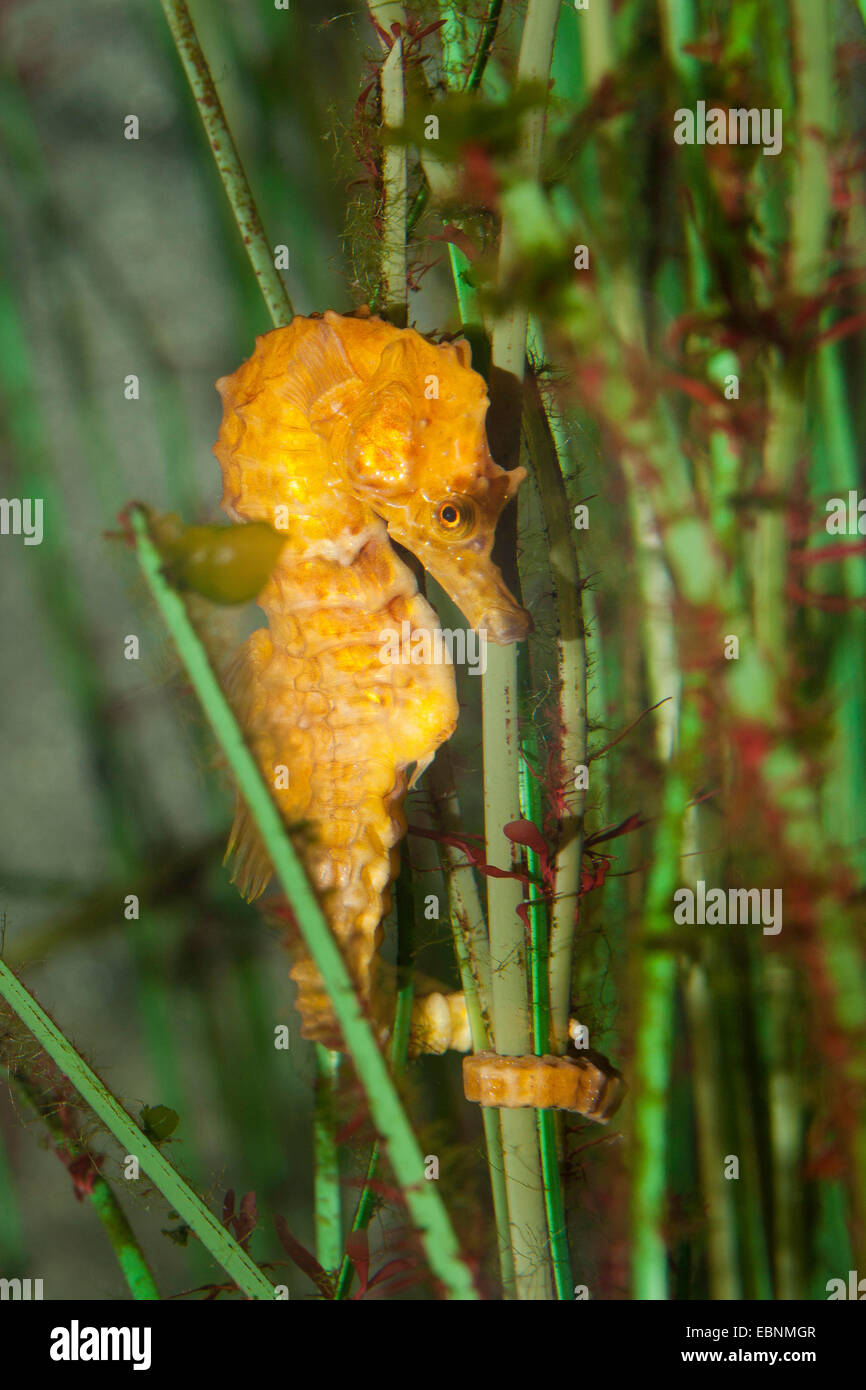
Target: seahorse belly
326 714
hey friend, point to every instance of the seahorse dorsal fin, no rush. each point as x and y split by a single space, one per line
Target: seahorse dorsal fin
251 866
317 367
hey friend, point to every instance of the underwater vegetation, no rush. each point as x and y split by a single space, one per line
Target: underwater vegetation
442 873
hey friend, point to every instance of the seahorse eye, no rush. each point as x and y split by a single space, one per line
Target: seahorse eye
456 517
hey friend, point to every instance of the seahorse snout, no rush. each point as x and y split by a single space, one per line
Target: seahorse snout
507 625
475 584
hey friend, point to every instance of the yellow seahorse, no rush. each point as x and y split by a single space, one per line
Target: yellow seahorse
342 432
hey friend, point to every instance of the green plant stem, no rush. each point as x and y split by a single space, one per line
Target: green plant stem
471 943
490 1119
488 34
786 1121
547 451
810 211
399 1049
511 1029
425 1205
417 206
123 1241
718 1191
11 1231
228 162
539 944
452 36
653 1042
326 1180
740 1047
809 219
548 1121
467 913
809 225
482 55
360 1222
468 302
706 1021
472 951
656 971
838 473
129 1254
509 1001
394 182
210 1231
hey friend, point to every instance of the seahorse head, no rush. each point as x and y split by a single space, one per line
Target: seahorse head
416 452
